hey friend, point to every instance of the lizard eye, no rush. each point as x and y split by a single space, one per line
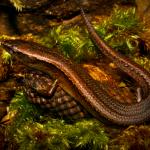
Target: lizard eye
9 50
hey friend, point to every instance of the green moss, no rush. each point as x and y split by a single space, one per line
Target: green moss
73 42
124 19
121 30
18 4
6 57
134 137
31 129
143 61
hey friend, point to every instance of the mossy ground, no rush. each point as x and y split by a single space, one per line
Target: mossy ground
32 128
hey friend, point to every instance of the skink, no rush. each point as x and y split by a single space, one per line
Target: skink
89 93
94 99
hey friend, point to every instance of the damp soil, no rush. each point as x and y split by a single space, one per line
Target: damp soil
39 20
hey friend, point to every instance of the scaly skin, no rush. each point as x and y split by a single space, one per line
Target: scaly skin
93 98
60 103
135 71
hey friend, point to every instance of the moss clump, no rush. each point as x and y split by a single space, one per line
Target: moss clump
18 4
124 19
121 30
6 57
143 61
31 129
134 137
73 42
